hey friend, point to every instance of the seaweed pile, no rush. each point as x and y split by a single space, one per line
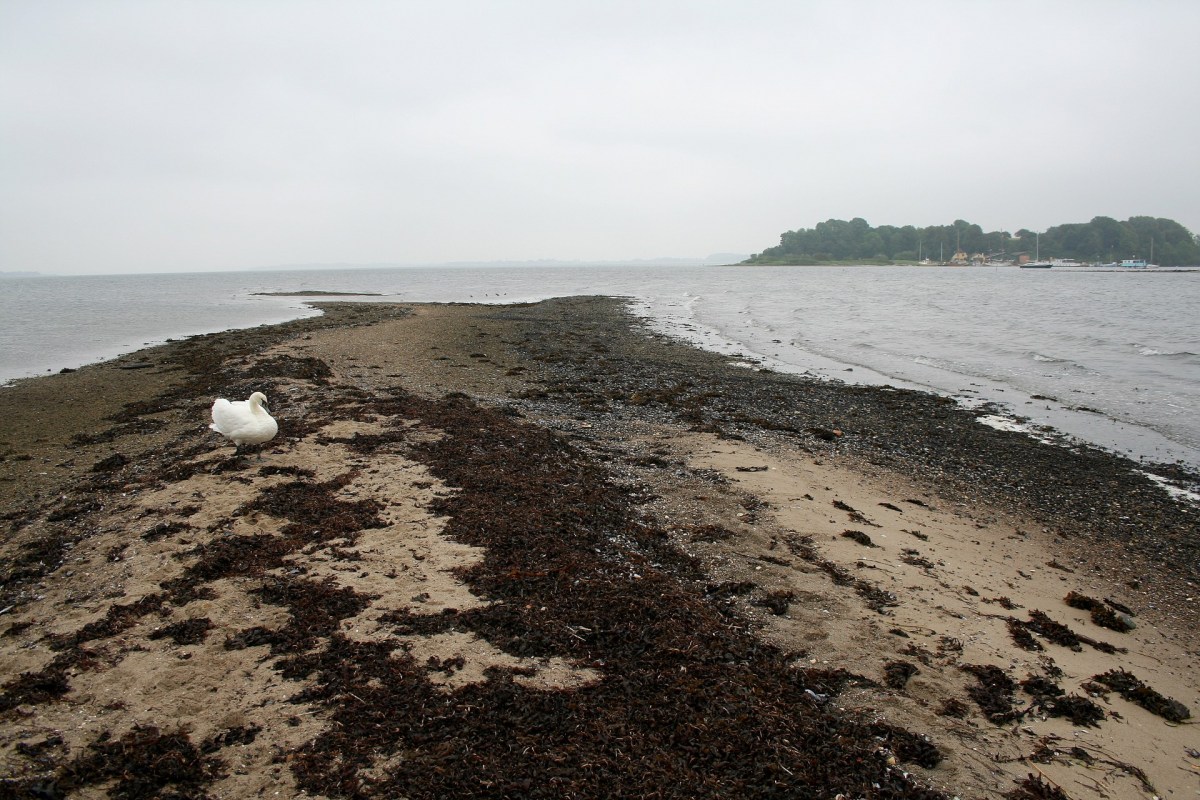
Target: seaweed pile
1034 787
1051 699
1135 691
994 693
1041 623
690 702
1108 614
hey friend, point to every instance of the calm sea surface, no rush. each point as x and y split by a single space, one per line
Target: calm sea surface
1112 357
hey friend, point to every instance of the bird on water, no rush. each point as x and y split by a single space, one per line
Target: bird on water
244 422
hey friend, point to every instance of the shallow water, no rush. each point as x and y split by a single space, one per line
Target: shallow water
1109 357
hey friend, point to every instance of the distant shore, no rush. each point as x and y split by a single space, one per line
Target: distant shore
316 293
503 547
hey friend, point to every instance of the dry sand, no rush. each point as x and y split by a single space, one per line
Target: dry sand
765 518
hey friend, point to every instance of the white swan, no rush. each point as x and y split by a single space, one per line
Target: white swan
244 421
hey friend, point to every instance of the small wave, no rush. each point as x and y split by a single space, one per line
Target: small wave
1002 422
1054 366
1178 492
1150 351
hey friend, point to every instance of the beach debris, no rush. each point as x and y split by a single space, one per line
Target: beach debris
118 618
723 594
1046 752
994 693
1132 689
244 422
1021 636
914 558
832 682
922 654
859 537
164 529
949 647
855 514
1034 787
906 746
897 673
1055 632
43 686
777 602
1080 711
876 598
1102 614
145 762
1118 606
1039 687
1054 702
192 631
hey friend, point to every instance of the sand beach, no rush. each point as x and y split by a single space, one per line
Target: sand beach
538 551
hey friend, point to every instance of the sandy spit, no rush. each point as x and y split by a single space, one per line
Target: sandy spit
527 551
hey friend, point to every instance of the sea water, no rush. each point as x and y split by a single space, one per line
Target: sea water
1112 358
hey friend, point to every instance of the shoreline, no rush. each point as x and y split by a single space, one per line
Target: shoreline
1049 404
534 503
1054 422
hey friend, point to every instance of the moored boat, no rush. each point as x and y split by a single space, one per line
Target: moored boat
1037 262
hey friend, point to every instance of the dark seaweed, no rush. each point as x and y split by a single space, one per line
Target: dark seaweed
1133 690
897 673
1102 614
994 693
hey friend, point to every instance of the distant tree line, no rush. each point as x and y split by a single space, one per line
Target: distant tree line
1104 239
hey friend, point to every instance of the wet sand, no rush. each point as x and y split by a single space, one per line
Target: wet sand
534 550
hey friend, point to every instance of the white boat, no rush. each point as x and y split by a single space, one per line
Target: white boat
1140 263
1037 263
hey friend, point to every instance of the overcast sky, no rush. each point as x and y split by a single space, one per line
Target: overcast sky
169 136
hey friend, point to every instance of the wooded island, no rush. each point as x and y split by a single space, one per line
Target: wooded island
1104 240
